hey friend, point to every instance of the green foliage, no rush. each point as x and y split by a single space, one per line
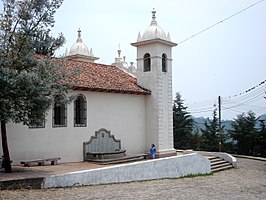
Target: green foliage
246 135
262 139
196 175
196 140
29 78
210 136
183 124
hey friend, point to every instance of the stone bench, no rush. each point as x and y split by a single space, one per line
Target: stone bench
40 162
102 146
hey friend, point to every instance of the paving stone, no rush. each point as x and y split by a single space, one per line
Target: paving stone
247 182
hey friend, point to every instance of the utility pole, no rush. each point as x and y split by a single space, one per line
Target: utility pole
220 131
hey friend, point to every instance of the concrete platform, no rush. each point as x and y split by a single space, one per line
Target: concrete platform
79 174
32 177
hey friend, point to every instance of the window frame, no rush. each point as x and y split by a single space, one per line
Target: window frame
164 62
59 114
81 116
147 62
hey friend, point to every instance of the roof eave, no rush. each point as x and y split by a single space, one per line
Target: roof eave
144 92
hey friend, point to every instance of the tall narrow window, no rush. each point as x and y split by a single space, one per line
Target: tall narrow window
164 63
147 62
80 109
59 113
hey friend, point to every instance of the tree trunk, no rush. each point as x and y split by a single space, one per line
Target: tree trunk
7 162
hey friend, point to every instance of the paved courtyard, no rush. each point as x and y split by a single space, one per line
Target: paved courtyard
247 182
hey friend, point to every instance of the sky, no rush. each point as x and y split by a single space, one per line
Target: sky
225 60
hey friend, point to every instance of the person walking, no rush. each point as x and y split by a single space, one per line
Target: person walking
153 151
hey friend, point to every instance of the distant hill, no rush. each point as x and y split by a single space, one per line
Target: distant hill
262 117
199 123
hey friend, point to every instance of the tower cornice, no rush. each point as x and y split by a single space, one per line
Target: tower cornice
156 40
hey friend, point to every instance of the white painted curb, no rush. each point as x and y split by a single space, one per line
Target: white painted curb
170 167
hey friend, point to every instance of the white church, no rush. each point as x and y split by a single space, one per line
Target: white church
134 103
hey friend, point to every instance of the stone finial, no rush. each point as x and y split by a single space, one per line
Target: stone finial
139 37
153 14
153 22
168 37
66 52
79 36
79 33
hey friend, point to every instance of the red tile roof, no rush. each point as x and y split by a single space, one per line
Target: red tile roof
104 78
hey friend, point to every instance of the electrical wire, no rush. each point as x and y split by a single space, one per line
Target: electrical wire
225 19
239 103
261 86
248 100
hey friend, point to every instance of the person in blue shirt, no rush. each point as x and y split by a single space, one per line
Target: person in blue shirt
153 151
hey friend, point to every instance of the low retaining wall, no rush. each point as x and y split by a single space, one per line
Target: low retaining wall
28 183
171 167
225 156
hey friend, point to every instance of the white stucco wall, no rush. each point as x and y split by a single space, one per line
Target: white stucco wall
159 105
122 114
171 167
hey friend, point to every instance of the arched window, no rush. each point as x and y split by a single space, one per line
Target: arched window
147 62
59 113
164 63
80 111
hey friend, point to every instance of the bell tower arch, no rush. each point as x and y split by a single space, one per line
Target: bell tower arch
154 72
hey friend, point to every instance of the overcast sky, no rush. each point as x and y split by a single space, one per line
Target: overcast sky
225 60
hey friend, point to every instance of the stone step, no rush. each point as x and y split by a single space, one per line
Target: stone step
218 164
125 159
221 168
214 158
221 165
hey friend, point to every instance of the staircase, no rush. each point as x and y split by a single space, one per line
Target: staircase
120 160
218 164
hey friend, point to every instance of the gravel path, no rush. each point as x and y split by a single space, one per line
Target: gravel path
247 182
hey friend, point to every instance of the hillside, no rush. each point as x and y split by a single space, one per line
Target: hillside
199 123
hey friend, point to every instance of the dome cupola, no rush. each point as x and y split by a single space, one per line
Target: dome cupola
80 51
79 47
154 31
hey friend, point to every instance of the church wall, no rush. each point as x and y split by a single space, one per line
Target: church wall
159 104
122 114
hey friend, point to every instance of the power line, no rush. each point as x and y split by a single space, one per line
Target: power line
225 19
237 103
248 90
252 99
205 107
244 96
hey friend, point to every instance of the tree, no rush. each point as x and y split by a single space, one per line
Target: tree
196 140
262 138
210 137
245 134
183 124
29 78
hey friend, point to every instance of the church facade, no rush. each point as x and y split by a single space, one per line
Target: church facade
135 104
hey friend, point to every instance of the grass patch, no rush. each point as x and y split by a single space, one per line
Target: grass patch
196 175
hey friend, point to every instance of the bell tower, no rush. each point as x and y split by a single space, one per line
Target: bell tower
154 72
